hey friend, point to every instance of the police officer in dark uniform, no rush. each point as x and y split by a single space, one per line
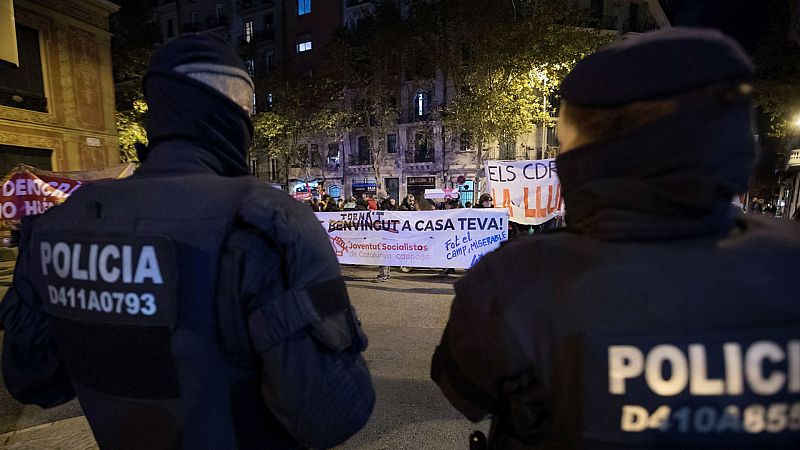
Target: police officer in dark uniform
188 306
661 317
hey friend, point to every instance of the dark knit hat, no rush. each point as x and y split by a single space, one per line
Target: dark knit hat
655 65
199 52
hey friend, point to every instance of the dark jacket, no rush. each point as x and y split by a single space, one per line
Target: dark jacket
198 309
406 206
386 205
631 328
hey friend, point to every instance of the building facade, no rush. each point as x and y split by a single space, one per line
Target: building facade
790 190
57 107
419 152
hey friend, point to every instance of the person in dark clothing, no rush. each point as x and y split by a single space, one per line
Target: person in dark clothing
409 204
753 204
330 203
661 317
384 272
361 203
485 201
189 306
389 204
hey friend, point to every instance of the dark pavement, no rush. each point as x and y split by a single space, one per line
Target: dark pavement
403 318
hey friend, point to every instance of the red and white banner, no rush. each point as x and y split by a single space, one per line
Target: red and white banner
27 191
454 238
529 190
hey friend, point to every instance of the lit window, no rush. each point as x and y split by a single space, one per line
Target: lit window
304 46
251 67
420 104
303 7
270 100
333 154
248 31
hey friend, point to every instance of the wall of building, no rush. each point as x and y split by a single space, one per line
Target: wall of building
316 26
449 161
79 125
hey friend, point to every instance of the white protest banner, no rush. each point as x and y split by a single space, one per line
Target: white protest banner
529 190
454 238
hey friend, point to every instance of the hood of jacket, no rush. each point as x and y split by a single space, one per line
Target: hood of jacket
673 178
190 125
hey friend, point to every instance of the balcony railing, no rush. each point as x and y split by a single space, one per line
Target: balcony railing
638 26
355 161
794 160
211 21
258 36
247 4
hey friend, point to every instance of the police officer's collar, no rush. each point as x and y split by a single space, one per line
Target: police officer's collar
669 179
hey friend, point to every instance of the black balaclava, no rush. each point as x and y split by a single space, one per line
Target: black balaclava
190 125
674 177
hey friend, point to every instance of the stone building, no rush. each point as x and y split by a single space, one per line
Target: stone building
57 108
419 153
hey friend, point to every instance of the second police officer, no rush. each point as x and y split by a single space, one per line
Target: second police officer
661 317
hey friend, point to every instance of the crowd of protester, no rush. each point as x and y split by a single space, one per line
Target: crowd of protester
381 201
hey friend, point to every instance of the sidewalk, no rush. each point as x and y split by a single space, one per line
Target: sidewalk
69 434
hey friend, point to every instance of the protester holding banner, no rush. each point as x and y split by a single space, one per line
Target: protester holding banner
485 201
409 204
662 317
388 204
189 306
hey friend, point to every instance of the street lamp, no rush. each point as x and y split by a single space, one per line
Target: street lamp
796 121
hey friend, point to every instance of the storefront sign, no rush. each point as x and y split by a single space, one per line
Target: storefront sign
421 181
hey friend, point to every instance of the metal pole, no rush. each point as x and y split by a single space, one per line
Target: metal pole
544 127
